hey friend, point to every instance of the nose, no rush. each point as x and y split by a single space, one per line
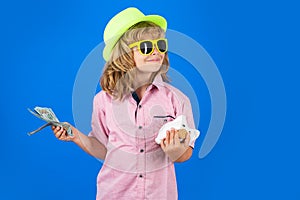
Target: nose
155 51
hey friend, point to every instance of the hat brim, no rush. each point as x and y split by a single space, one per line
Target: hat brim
156 19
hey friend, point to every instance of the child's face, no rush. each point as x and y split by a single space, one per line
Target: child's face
148 63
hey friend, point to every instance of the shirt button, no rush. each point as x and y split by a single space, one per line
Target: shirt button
140 127
140 106
141 176
142 150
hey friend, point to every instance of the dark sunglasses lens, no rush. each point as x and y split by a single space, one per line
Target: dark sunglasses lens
146 47
162 45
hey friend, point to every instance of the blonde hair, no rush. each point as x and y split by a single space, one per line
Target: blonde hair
118 75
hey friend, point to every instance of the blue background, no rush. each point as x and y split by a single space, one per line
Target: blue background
255 45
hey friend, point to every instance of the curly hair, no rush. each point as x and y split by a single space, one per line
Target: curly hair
118 76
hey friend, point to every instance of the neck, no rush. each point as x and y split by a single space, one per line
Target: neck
142 79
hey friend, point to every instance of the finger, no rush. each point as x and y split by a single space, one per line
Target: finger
56 129
59 132
162 144
64 135
187 139
172 133
167 139
53 127
176 138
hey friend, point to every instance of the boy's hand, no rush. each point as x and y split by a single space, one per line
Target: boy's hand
61 134
172 146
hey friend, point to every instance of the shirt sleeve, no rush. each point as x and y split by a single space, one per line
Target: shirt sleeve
98 123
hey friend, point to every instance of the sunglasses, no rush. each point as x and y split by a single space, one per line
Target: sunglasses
146 47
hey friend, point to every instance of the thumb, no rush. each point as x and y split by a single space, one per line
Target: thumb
69 128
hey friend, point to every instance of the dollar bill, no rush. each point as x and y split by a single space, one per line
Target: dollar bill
48 115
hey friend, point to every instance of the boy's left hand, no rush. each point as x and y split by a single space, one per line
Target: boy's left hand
172 146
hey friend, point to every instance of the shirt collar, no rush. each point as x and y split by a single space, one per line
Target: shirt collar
157 82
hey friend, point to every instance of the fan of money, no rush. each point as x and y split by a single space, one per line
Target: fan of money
48 115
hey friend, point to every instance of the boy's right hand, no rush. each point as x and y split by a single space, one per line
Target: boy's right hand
61 134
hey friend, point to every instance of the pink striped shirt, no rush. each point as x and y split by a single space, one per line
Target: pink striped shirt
135 166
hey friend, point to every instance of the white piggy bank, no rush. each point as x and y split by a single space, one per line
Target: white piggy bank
178 123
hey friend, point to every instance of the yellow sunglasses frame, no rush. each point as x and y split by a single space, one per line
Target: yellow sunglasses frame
154 43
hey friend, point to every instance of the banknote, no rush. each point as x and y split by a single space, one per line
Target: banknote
46 113
49 116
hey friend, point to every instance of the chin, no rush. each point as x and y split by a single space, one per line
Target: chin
151 67
154 67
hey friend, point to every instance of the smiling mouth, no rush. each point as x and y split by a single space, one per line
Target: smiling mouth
153 60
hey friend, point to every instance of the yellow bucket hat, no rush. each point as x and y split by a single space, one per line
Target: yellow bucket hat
121 22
